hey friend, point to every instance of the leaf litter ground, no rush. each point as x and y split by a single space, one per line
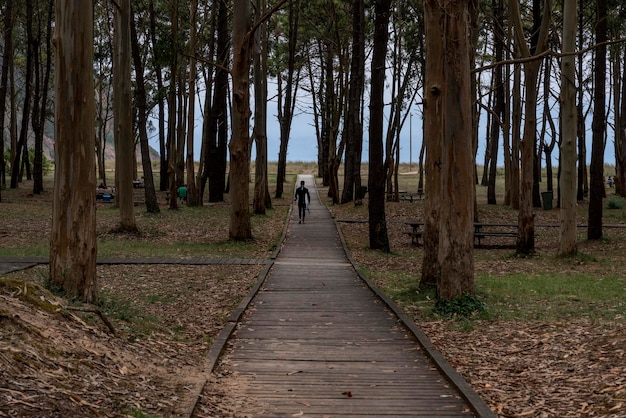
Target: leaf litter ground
56 362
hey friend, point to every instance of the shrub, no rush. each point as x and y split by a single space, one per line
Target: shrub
615 202
462 306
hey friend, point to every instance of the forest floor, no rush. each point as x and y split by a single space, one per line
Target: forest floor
58 362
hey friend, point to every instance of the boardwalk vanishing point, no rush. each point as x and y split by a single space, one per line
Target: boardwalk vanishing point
316 339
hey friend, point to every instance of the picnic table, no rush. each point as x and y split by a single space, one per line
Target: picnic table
481 230
105 194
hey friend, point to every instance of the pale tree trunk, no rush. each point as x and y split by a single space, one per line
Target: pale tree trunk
433 131
261 194
192 191
526 221
456 220
73 236
598 127
123 116
240 226
567 180
378 237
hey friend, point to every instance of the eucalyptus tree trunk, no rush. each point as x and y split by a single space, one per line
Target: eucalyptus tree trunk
40 103
240 226
433 127
598 126
620 146
261 193
567 243
526 221
171 114
378 237
22 143
457 186
285 112
122 116
7 57
354 125
73 237
192 191
152 205
160 97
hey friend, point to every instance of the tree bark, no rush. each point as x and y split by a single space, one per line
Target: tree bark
456 220
376 180
354 125
7 57
433 132
598 127
261 193
526 220
122 115
22 143
568 129
240 226
73 237
192 191
152 205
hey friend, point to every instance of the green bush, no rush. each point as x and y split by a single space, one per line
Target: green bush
465 306
615 202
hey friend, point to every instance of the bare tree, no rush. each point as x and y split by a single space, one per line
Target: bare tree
73 236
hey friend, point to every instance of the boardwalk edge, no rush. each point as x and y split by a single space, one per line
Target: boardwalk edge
476 403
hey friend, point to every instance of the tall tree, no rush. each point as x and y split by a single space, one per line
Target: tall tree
240 226
568 131
215 127
157 53
41 84
526 222
378 237
287 96
123 116
73 236
22 143
262 198
354 125
598 126
192 192
455 255
141 109
7 57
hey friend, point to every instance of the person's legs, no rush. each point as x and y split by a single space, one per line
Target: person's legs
301 212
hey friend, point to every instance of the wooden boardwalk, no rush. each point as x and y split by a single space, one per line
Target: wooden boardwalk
316 341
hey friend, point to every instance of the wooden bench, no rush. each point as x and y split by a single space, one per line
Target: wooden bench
416 232
482 230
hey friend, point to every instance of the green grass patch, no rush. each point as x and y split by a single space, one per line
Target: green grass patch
553 297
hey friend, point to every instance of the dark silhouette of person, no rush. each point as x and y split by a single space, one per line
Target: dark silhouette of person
302 194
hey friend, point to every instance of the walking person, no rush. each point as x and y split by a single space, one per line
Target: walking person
302 194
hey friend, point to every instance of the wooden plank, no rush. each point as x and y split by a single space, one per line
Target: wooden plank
316 332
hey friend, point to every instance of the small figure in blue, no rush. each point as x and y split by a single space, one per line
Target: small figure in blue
302 194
